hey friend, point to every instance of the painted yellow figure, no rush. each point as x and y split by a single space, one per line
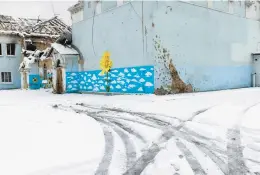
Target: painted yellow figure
105 63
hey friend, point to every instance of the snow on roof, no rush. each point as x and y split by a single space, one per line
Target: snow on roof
77 7
32 27
64 50
45 55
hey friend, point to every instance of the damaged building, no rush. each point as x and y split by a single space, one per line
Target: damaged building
21 38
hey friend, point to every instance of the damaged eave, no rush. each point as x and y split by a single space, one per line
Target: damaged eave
40 35
15 33
77 7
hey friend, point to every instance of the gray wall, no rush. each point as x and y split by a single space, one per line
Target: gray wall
210 47
11 63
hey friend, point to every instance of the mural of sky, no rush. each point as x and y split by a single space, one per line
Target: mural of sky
121 80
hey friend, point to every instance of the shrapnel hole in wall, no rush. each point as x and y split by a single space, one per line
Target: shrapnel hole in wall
163 57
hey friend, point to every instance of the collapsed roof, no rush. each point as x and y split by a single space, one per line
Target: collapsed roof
32 27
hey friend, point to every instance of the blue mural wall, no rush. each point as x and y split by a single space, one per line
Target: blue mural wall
35 82
121 80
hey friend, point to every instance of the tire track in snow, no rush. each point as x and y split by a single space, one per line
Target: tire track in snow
236 164
109 148
128 129
150 154
202 147
130 148
194 164
109 141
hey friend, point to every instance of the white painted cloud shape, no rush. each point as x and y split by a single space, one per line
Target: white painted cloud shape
148 84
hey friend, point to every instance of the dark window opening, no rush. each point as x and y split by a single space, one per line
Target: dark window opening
10 49
6 77
1 49
30 46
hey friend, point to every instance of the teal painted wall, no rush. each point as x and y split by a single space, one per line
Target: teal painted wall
10 63
210 47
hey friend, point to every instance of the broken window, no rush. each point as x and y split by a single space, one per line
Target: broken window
1 49
30 46
6 77
10 49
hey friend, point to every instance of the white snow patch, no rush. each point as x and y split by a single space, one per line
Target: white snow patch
41 139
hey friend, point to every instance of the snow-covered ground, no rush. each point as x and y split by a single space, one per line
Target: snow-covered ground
215 133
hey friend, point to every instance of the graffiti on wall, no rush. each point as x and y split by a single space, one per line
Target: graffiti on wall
121 80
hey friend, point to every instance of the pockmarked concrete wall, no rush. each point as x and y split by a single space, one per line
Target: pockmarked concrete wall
210 43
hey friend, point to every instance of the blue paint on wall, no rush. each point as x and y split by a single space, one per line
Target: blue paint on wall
121 80
35 82
72 82
216 77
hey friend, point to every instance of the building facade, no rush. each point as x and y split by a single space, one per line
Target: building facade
21 34
10 59
209 43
